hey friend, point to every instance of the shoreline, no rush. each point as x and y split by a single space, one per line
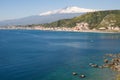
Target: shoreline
69 30
111 61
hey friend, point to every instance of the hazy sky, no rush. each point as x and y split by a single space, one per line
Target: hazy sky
11 9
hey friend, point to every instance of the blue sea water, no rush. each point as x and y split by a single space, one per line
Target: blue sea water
51 55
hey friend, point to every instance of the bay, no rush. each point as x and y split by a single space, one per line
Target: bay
52 55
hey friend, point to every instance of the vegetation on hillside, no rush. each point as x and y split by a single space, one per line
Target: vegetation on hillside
94 19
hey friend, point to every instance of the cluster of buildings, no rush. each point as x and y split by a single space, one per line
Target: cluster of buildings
83 26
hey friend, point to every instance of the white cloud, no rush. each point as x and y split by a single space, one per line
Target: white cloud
72 9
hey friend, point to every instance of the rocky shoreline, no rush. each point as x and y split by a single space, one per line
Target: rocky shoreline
111 61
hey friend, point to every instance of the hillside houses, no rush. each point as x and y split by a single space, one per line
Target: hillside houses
82 26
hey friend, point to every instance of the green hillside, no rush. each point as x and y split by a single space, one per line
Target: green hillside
110 18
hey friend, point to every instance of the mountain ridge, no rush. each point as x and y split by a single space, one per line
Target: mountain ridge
47 17
38 19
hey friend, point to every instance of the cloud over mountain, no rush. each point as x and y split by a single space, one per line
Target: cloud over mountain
72 9
47 17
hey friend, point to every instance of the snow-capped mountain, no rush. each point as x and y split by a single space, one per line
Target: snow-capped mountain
67 10
47 17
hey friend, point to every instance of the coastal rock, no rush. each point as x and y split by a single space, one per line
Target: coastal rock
94 65
114 62
90 64
106 60
82 76
74 73
100 67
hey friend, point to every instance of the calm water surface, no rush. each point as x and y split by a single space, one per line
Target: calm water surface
47 55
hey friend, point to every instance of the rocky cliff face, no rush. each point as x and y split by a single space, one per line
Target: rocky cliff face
110 22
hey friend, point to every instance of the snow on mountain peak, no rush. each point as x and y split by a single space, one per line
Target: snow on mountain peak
72 9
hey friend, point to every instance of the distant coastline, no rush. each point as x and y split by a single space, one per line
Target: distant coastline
107 21
57 29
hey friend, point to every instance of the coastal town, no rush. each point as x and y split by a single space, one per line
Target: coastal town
80 27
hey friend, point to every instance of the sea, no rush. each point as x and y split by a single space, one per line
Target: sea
55 55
